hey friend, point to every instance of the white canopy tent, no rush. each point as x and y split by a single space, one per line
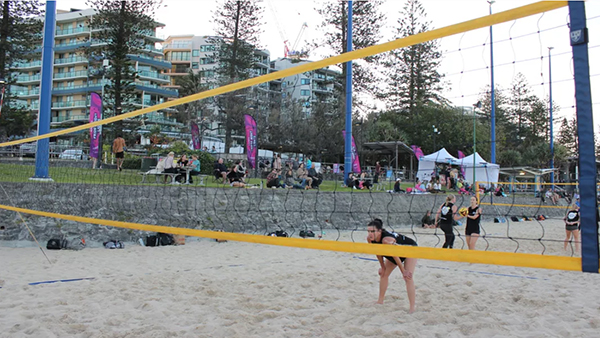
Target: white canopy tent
484 171
427 163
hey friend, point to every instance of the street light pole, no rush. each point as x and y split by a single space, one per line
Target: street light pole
551 119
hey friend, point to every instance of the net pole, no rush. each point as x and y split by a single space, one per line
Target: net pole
42 152
493 93
585 134
348 136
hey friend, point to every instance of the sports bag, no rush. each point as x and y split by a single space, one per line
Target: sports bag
53 244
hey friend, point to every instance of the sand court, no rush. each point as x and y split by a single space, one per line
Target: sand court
209 289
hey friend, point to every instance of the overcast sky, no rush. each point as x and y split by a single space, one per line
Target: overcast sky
466 70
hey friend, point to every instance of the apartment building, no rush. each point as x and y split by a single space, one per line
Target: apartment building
74 77
309 87
197 53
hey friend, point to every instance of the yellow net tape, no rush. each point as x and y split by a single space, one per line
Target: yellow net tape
469 256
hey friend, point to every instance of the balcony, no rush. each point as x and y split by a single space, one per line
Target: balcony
157 62
28 65
58 119
160 119
71 60
26 93
322 89
22 79
153 76
155 89
72 31
69 104
71 75
153 50
70 46
178 45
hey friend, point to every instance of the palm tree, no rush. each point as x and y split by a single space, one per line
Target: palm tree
190 84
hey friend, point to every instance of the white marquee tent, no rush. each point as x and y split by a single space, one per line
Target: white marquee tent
427 163
484 171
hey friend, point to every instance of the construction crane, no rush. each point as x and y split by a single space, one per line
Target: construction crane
294 53
287 52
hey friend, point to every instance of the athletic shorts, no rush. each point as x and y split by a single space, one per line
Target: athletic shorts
472 230
409 241
120 154
572 227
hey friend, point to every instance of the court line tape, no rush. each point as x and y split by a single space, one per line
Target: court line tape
93 278
468 256
472 271
482 22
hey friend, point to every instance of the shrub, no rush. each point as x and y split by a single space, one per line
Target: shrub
132 163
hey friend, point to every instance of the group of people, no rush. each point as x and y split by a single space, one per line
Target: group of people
235 175
301 178
446 216
180 166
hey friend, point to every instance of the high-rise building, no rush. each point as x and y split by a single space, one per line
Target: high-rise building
307 88
74 79
197 53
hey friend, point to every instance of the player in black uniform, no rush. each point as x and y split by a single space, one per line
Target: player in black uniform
376 234
473 218
572 224
446 214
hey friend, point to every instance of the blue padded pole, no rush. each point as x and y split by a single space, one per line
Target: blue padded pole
348 138
42 153
585 134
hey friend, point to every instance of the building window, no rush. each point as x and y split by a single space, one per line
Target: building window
194 65
206 61
305 81
305 92
207 48
180 56
196 52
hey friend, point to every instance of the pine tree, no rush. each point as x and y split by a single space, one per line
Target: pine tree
121 29
238 32
567 136
20 34
412 72
366 31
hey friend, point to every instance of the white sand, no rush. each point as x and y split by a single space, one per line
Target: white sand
208 289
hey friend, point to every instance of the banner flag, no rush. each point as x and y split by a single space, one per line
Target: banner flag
195 136
355 161
251 140
418 152
95 115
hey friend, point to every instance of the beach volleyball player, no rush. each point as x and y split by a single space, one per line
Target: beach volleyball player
376 234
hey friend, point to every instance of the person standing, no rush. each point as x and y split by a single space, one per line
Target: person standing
445 216
376 234
118 149
277 162
572 226
473 219
377 172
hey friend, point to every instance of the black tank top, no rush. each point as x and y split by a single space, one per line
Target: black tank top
400 239
473 212
447 214
573 216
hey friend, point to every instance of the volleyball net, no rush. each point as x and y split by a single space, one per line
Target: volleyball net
57 191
